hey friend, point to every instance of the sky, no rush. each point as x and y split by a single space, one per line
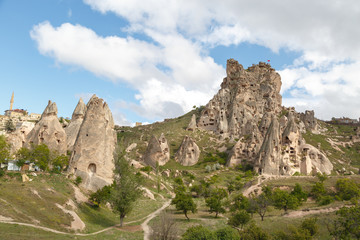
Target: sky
156 59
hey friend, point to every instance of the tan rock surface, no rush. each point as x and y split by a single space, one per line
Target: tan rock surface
48 131
73 128
188 153
93 155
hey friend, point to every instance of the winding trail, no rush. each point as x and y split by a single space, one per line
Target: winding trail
144 225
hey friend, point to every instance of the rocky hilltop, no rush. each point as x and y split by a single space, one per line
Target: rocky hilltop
247 109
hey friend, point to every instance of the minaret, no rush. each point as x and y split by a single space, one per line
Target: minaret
11 101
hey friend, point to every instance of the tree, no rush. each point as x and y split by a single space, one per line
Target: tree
10 126
4 149
198 233
299 193
283 200
127 187
22 155
101 195
262 203
318 190
347 189
215 201
310 225
165 228
239 202
253 232
347 225
40 155
184 202
60 162
226 233
239 219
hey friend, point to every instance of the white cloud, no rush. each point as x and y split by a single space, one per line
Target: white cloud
176 72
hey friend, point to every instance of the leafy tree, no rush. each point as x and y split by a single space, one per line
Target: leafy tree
10 126
184 202
262 202
4 149
40 155
347 225
283 200
253 232
299 193
60 162
226 233
215 201
239 219
101 195
22 155
198 233
239 202
347 189
127 187
310 225
318 190
321 177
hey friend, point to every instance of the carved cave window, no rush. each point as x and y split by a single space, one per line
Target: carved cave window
92 168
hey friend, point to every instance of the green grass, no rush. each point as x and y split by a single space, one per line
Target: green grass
17 232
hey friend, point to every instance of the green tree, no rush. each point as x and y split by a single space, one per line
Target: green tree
239 202
10 126
299 193
239 219
127 187
199 233
40 155
283 200
4 149
226 233
347 189
101 195
22 155
347 225
215 201
310 225
184 202
318 190
262 203
253 232
60 162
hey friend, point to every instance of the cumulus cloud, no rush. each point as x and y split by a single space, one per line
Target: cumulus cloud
175 71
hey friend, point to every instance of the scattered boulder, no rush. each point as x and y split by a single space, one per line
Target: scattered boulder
192 124
93 155
73 128
48 131
131 147
188 153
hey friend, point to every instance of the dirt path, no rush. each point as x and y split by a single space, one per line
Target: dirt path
145 226
296 214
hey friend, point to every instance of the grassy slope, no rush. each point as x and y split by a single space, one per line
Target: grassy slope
19 202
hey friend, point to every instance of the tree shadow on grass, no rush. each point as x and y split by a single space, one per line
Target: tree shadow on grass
95 216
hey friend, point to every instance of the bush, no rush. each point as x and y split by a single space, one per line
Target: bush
310 225
347 189
78 180
226 233
198 233
325 200
2 172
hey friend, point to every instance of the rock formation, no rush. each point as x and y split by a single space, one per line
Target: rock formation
93 155
192 124
73 128
157 151
188 153
48 131
248 108
17 139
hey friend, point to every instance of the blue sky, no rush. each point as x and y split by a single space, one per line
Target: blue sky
150 65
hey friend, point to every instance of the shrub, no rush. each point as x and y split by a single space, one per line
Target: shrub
347 189
198 233
325 200
78 180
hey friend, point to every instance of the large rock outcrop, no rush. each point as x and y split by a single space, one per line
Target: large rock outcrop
93 155
73 128
248 108
157 151
192 124
17 139
245 96
188 153
48 131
